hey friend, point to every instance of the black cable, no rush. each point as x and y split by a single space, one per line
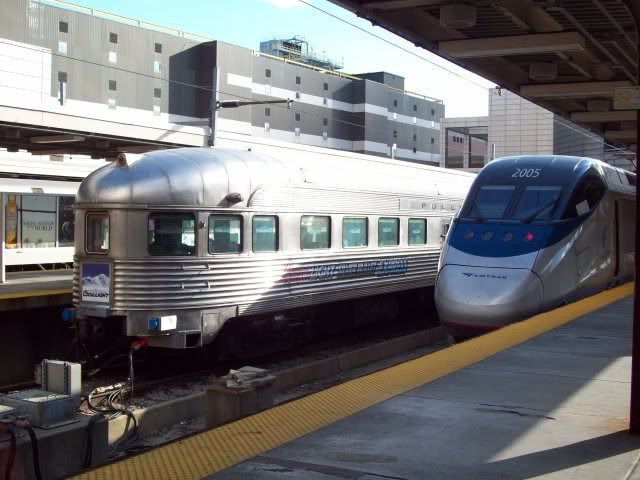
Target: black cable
112 410
12 454
35 451
88 453
112 360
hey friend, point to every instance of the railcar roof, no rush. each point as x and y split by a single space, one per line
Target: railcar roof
205 176
556 169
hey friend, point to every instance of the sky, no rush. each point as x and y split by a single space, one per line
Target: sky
248 22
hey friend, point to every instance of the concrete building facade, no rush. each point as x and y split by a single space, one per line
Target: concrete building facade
516 126
369 113
87 72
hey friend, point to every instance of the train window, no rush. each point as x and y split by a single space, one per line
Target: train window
537 203
225 234
491 201
417 231
265 233
388 232
354 232
171 234
97 232
315 232
631 178
585 196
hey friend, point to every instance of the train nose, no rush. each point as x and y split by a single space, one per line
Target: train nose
473 299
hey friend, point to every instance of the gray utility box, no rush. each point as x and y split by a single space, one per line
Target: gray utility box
7 412
62 377
42 408
58 399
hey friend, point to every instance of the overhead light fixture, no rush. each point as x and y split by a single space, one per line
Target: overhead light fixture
57 139
513 45
458 16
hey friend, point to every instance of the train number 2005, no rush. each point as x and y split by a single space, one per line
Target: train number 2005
526 173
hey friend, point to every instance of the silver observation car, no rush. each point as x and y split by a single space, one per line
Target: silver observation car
173 246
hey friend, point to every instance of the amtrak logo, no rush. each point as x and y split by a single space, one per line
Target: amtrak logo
485 275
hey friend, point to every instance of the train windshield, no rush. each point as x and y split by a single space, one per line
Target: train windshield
537 203
491 201
506 202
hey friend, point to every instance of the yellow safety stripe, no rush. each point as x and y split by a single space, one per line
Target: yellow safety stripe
214 450
34 293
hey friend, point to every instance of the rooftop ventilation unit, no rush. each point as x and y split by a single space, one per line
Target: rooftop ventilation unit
542 72
458 16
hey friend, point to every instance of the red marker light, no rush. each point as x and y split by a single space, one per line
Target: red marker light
138 344
468 235
528 237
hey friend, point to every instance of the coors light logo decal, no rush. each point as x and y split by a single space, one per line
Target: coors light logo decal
95 282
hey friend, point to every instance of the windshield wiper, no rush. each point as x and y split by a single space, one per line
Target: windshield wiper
533 216
474 206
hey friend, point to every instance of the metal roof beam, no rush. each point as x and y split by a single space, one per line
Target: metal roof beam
399 4
57 139
604 117
585 32
622 135
572 90
513 45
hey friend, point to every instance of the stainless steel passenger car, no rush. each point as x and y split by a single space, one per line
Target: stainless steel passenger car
535 232
177 243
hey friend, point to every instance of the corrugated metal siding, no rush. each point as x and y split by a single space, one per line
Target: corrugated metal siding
334 200
256 285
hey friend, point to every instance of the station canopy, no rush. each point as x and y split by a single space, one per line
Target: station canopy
573 57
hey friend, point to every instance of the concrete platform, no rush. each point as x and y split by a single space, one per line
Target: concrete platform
554 407
41 289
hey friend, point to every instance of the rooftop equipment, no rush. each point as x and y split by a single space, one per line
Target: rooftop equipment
297 48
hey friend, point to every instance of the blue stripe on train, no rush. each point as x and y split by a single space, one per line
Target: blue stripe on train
494 239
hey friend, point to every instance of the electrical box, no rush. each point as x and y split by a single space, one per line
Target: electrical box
62 377
42 409
7 412
56 402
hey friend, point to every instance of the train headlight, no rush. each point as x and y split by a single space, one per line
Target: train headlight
507 236
487 235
